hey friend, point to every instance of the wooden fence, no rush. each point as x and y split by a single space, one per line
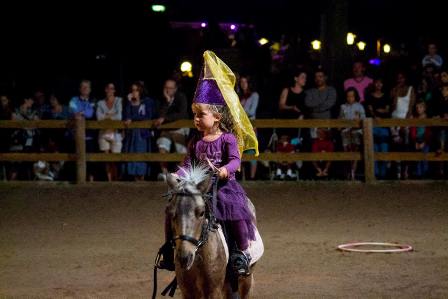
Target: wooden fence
368 156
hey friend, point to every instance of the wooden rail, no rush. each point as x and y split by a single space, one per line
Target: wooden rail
368 156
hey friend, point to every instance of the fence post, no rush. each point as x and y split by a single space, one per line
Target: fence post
80 141
369 159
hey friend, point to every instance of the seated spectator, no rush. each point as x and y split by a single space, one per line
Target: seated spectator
284 169
359 81
173 106
110 141
351 137
322 144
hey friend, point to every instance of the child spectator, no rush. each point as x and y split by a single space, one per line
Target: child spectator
421 138
351 138
322 144
284 146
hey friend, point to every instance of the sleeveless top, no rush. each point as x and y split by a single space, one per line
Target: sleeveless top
402 108
294 99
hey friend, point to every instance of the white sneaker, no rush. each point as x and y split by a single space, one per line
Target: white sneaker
290 174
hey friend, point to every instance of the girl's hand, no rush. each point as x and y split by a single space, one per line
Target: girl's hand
223 173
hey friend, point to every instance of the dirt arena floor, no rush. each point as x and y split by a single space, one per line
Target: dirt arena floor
99 241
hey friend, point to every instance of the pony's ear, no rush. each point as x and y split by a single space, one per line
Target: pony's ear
205 185
172 181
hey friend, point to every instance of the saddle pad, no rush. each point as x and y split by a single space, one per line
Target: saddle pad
256 247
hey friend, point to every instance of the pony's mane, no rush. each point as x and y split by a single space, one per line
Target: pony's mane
194 175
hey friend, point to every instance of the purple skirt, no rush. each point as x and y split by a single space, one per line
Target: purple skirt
232 205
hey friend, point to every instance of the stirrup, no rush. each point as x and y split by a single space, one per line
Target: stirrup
240 262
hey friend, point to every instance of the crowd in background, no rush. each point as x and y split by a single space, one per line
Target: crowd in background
421 94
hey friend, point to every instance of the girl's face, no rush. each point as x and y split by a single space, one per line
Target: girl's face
351 98
301 79
421 109
378 84
204 118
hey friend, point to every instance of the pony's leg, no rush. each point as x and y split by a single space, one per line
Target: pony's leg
245 286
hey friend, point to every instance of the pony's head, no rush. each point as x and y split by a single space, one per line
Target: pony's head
187 211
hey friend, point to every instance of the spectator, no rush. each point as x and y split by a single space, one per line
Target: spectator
249 100
378 107
359 81
322 144
292 99
5 134
40 103
421 138
442 109
110 141
432 57
321 99
403 100
23 140
172 107
284 146
138 140
351 137
84 106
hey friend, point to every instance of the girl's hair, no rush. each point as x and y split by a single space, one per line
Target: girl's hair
357 98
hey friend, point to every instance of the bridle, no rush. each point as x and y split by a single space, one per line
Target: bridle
208 223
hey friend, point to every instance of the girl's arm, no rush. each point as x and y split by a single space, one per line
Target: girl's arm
233 155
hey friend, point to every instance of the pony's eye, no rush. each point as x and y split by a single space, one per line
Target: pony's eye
201 214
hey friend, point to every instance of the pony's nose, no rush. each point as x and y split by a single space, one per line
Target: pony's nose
186 259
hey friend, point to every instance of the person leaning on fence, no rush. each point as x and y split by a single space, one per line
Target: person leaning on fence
138 140
110 140
403 101
172 107
420 138
83 106
378 107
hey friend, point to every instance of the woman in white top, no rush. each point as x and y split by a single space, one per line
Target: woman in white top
403 101
110 141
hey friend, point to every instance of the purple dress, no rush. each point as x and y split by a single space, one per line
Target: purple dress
232 201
